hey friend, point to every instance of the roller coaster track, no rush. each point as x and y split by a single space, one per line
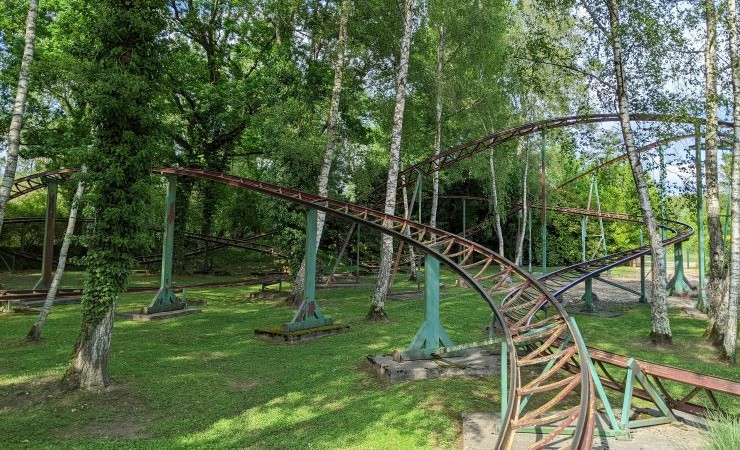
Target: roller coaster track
561 280
476 268
456 154
33 182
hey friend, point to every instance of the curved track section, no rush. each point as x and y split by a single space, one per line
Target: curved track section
476 265
36 181
559 281
468 149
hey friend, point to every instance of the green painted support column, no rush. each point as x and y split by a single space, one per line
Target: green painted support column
309 314
543 201
431 334
679 285
49 233
166 300
700 294
643 296
588 297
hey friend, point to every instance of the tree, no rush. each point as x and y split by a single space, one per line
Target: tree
332 139
660 325
714 224
377 302
730 338
34 334
125 49
525 204
21 94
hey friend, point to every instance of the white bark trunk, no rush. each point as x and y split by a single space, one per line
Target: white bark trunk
377 302
331 144
525 207
438 124
35 333
407 215
715 295
730 340
16 122
496 213
661 328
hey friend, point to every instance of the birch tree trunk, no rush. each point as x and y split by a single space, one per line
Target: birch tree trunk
660 326
35 333
714 225
525 207
297 294
730 338
16 121
407 214
496 214
377 302
437 125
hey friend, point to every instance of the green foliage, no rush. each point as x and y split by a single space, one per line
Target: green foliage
123 83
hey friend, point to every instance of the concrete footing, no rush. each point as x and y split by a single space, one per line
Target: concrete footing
479 364
156 316
279 334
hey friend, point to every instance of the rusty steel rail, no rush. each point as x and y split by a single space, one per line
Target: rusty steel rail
475 267
561 280
33 182
25 295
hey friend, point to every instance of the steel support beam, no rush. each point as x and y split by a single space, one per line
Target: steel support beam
49 233
431 335
309 314
679 285
165 299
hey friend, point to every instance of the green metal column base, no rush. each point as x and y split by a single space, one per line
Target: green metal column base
679 285
635 374
643 296
589 297
431 335
164 301
308 316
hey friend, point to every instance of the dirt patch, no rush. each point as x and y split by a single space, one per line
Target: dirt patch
242 384
129 412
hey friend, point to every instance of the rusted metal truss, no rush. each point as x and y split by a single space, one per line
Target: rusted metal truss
22 186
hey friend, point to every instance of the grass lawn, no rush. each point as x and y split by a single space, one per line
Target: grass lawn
204 381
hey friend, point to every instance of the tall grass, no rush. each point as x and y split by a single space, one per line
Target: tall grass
724 432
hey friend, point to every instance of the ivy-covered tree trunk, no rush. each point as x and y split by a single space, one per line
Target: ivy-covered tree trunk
332 139
16 121
209 193
660 324
377 302
34 334
714 225
730 339
122 89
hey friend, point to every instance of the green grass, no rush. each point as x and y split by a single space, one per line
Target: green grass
724 433
204 381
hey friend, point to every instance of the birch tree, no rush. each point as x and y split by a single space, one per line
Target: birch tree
16 122
660 324
34 334
332 140
377 301
714 225
437 122
494 201
730 338
522 231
